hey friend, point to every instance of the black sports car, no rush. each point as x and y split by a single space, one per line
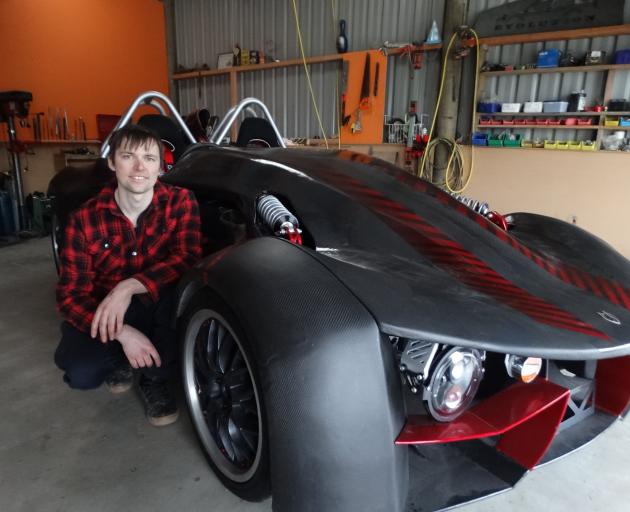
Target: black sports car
357 339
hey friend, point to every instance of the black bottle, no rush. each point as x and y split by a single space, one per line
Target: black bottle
342 40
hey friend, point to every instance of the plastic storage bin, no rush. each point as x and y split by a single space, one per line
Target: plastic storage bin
624 121
495 140
611 121
575 145
550 144
562 144
533 107
548 58
555 106
512 141
622 57
510 107
570 121
488 107
527 144
588 145
479 139
585 121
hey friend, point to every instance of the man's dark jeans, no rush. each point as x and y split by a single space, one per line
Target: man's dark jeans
87 361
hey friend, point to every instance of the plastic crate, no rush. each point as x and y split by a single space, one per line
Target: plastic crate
555 106
488 107
585 122
527 144
538 143
575 145
588 145
495 140
550 144
510 107
610 121
562 144
485 121
622 57
508 121
554 122
533 107
548 58
624 121
512 141
479 139
570 121
542 121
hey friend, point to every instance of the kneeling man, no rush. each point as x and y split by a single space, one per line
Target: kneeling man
123 253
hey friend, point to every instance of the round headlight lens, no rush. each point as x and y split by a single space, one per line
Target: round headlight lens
454 383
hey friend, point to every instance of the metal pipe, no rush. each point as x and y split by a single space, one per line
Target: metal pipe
19 217
148 98
233 113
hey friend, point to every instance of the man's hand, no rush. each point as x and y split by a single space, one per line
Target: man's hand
110 314
139 350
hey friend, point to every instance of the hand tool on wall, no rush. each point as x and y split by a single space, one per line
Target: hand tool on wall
345 119
364 98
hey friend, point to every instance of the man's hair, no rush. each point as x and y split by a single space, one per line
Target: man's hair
133 136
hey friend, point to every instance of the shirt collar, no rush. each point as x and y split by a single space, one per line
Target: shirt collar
106 200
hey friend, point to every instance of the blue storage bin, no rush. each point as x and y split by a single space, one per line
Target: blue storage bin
488 107
479 139
548 58
622 57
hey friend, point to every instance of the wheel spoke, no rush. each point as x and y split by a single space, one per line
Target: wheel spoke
227 350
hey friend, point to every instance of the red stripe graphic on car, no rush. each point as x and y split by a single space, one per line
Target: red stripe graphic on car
454 258
600 286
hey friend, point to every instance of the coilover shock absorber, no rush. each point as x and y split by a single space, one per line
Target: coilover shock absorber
483 209
280 220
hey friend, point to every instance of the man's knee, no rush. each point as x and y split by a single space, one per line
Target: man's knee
82 378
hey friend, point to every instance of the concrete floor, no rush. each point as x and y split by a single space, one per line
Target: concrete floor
63 450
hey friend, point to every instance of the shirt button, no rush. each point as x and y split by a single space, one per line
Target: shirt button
106 245
134 253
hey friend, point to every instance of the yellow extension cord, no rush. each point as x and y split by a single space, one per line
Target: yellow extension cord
308 75
455 164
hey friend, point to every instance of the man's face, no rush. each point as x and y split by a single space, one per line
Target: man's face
137 169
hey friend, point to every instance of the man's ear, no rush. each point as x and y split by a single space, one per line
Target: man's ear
110 163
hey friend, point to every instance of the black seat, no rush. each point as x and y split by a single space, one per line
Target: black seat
168 131
258 132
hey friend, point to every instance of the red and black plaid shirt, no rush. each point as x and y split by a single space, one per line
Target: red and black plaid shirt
102 248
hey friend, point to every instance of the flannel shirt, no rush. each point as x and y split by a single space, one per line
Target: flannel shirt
102 248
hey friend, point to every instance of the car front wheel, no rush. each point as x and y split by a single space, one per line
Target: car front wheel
224 397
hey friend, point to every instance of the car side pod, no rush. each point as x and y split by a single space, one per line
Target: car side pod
330 386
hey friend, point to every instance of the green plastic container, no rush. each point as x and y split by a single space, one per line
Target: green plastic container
495 140
513 142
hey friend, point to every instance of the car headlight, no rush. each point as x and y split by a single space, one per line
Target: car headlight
454 383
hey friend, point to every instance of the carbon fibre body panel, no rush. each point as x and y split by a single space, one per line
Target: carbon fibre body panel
425 266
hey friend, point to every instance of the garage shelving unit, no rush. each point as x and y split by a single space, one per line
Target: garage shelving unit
598 128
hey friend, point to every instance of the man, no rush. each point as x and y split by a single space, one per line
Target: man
124 251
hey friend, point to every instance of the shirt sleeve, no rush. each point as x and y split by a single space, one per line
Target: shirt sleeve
184 247
75 299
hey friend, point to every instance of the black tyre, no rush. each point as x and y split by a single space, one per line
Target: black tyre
224 397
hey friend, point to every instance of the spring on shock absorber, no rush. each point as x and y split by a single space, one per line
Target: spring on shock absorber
473 204
281 221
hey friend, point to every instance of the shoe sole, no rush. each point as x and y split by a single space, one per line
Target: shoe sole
162 421
116 389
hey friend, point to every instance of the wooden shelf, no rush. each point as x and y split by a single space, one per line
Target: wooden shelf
538 126
567 69
289 63
549 114
615 128
559 35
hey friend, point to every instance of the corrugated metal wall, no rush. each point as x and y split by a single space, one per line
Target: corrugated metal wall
206 28
543 87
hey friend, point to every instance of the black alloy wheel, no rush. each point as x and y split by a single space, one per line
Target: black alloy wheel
224 401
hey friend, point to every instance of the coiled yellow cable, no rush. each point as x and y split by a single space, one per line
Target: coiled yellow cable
455 164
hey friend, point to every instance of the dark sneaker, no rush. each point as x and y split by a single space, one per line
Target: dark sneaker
120 380
160 403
